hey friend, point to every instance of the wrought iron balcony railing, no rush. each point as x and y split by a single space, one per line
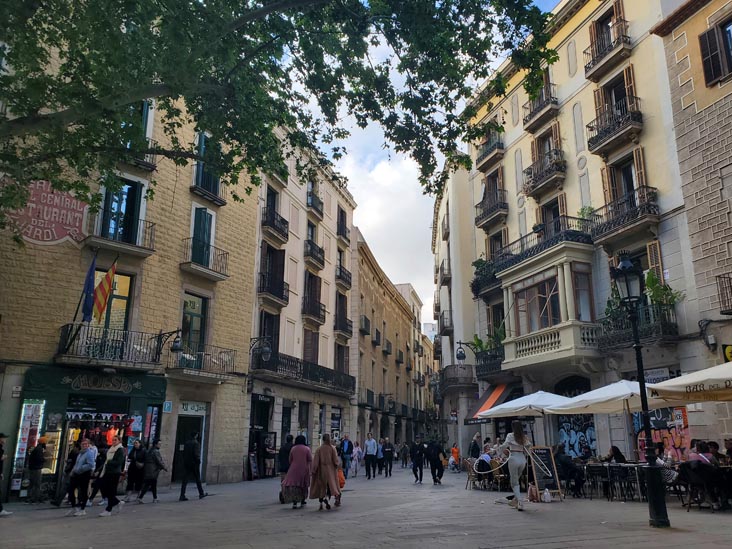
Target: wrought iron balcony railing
445 272
314 202
547 96
147 160
343 275
485 279
656 324
116 226
624 211
313 308
488 362
105 345
387 348
208 185
200 252
315 252
400 357
366 397
456 376
445 230
549 167
206 358
365 325
561 229
494 202
343 231
343 325
724 289
290 367
274 221
612 120
273 285
376 337
604 44
494 143
445 322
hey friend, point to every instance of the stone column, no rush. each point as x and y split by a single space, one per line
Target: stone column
508 300
569 291
561 287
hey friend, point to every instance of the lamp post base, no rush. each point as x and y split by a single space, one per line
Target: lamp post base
656 493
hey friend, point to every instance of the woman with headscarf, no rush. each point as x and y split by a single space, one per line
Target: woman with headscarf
297 480
325 475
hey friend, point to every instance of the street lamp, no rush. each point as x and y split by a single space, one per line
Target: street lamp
263 347
628 278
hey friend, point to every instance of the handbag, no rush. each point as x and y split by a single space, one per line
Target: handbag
341 478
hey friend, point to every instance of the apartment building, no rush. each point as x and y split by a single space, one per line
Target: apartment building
586 169
384 352
303 313
696 38
184 275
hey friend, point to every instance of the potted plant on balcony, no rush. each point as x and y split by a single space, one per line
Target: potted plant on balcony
585 214
662 299
539 228
485 273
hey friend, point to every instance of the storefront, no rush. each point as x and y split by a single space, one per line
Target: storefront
262 440
67 405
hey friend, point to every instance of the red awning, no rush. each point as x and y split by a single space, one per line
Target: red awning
493 396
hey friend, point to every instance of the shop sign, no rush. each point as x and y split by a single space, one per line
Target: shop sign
657 375
95 382
50 216
256 397
727 352
192 408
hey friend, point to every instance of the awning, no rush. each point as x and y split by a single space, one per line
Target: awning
493 396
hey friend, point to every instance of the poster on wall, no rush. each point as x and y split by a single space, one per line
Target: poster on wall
31 418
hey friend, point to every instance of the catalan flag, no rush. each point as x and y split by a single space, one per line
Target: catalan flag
102 291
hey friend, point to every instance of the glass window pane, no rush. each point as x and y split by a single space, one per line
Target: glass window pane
116 313
583 296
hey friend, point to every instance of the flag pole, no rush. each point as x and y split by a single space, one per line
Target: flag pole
81 297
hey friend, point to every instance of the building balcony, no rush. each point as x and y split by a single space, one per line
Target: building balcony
399 357
656 326
626 218
314 255
445 323
488 363
418 348
343 327
492 209
364 326
381 402
545 175
112 231
209 186
343 233
299 373
485 281
376 338
96 346
539 111
445 228
436 304
273 290
343 277
313 311
409 365
146 161
366 398
203 363
437 347
615 126
489 153
275 227
608 51
315 205
445 273
560 344
202 259
387 348
457 377
724 291
560 230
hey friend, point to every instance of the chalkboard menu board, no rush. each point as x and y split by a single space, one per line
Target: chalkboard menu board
545 470
253 467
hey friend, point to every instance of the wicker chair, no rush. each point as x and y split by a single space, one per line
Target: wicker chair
500 478
473 480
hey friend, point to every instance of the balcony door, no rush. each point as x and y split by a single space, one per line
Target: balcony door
205 179
121 215
193 331
269 326
273 264
272 196
202 233
312 288
311 346
341 307
116 315
341 358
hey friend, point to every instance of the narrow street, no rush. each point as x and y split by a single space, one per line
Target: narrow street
378 513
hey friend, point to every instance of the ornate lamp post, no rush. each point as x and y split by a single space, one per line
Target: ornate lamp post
261 346
628 279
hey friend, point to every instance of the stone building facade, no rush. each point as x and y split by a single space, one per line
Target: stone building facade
699 60
184 273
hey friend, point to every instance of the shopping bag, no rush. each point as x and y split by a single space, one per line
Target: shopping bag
341 478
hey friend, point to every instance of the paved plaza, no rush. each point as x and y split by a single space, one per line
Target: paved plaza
377 513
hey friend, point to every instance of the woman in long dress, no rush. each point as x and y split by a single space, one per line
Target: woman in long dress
297 481
325 475
517 443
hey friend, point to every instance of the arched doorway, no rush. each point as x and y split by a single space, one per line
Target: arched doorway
576 432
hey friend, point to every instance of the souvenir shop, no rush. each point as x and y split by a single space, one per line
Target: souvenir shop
66 405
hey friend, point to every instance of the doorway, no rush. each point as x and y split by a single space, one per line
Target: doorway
187 425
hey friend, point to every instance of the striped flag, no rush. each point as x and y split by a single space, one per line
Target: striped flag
102 291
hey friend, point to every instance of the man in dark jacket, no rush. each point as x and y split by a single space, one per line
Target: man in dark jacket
153 465
388 456
284 459
192 467
345 450
435 454
35 470
417 455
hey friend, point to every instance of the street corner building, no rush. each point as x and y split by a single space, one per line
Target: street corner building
584 170
129 320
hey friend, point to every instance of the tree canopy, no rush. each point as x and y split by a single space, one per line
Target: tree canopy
74 73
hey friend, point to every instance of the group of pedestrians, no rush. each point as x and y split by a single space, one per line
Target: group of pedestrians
432 453
378 455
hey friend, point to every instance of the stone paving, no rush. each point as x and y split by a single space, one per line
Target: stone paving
377 513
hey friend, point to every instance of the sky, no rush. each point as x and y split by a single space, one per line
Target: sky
392 213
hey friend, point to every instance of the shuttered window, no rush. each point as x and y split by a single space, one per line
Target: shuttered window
653 250
713 56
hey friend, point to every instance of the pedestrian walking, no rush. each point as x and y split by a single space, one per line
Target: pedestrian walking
404 454
3 439
111 472
284 461
435 454
324 483
153 465
296 483
79 478
135 470
100 460
388 449
517 444
357 458
345 450
192 466
475 446
35 470
380 455
68 467
371 447
417 455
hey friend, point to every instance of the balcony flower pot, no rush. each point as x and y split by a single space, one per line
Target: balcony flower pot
539 228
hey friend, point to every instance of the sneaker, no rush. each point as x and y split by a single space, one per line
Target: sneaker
183 498
139 500
519 507
201 496
102 503
105 514
5 513
156 500
71 512
416 481
80 513
513 503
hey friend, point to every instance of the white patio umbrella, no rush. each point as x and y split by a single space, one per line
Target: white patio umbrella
708 385
529 405
616 398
